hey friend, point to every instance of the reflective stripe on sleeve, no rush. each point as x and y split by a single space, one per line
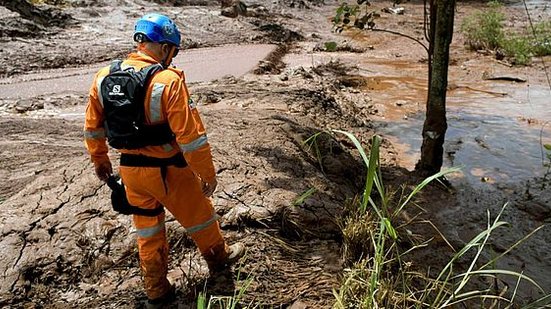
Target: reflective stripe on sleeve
150 231
98 86
202 226
94 134
155 103
194 145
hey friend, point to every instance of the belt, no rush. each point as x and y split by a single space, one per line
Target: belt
177 160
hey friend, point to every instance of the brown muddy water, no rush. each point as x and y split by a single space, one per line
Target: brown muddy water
495 129
201 64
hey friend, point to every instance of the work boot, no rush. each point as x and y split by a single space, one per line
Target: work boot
162 301
223 255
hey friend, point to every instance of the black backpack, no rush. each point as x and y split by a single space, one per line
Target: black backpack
123 95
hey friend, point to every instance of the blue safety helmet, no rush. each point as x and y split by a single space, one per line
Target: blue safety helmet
156 28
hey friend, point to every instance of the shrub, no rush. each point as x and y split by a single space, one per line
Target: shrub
542 41
484 30
519 49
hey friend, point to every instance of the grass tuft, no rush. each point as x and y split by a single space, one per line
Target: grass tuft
484 30
378 250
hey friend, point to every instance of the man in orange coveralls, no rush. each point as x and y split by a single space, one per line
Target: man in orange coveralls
158 175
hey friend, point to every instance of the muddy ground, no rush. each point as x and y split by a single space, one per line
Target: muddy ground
63 247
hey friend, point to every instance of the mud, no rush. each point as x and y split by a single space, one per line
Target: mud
64 247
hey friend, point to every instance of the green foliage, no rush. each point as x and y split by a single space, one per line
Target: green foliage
330 46
358 16
484 29
542 42
519 49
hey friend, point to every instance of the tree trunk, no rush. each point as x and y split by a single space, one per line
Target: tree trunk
434 128
44 15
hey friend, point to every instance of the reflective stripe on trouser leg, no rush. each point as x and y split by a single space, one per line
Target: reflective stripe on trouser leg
145 188
217 252
153 252
209 234
194 212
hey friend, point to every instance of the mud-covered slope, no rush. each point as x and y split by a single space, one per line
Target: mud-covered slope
103 31
64 246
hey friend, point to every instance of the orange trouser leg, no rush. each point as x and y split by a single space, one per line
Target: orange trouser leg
153 252
181 194
186 201
152 244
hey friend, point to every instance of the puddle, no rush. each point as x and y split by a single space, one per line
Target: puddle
493 138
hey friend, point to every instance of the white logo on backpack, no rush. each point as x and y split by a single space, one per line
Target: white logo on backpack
116 90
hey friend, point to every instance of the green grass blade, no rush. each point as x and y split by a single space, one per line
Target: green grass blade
390 229
423 184
370 163
543 302
515 291
505 273
482 296
304 196
492 261
202 301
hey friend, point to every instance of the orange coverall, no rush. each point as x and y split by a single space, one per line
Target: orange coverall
167 99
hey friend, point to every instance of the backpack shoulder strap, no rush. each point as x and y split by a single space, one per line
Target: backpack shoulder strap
146 73
115 66
149 71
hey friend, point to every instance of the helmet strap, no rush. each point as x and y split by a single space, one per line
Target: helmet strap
168 59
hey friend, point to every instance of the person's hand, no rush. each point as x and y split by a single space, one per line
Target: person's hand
209 187
103 170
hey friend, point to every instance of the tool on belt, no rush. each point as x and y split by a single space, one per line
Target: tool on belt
120 202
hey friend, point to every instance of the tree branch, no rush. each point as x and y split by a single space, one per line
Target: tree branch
402 34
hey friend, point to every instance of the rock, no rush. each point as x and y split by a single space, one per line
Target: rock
298 305
22 106
235 9
394 10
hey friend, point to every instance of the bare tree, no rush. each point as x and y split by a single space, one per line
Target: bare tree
435 126
439 21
